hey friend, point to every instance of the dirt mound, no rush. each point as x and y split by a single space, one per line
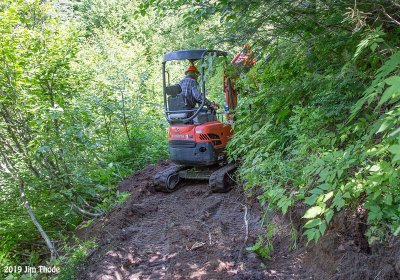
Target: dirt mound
344 253
194 234
142 178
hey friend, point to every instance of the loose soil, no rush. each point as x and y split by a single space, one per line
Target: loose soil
194 234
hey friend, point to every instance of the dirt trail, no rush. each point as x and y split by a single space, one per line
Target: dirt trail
194 234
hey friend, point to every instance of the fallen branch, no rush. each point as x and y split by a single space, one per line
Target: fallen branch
53 251
85 202
197 245
246 222
84 212
246 237
10 169
390 17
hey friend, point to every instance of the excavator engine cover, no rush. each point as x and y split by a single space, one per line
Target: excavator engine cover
198 145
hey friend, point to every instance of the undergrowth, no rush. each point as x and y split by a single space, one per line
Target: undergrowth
320 126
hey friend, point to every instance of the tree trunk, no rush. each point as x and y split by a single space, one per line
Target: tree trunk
49 244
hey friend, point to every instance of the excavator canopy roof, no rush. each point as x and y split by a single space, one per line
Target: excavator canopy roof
190 54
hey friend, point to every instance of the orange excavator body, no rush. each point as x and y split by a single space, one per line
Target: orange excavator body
197 140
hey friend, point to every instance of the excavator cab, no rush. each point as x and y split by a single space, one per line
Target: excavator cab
196 139
176 110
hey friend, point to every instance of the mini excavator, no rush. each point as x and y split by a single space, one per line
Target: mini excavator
196 138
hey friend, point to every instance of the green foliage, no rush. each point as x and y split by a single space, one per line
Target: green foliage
309 130
73 256
78 113
367 169
80 107
35 110
264 247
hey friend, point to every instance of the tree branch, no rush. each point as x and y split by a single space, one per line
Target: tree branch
389 16
46 238
84 212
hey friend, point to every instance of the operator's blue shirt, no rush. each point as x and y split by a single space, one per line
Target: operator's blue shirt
191 91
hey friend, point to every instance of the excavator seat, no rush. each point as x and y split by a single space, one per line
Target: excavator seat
176 101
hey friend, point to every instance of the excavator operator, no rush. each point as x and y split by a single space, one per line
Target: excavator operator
190 89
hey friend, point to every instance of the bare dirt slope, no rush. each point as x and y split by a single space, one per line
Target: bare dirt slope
194 234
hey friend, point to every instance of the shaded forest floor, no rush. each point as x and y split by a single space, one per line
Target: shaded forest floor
194 234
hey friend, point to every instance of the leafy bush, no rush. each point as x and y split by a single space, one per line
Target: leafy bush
78 113
314 133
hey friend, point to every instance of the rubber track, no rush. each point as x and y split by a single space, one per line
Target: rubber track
217 182
160 179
